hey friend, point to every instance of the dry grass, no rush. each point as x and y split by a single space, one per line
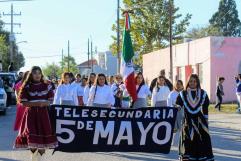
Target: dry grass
225 108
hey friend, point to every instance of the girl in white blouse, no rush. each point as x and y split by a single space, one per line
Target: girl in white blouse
160 93
90 82
100 94
65 93
142 91
171 102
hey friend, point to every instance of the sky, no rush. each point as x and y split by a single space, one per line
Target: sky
47 25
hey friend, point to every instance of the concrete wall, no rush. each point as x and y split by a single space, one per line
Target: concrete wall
218 56
226 59
154 62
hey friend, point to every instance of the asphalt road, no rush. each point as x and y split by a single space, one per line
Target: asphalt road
225 132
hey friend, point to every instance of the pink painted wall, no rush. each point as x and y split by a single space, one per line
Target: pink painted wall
225 61
154 62
218 56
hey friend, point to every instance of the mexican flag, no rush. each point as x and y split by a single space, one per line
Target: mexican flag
127 69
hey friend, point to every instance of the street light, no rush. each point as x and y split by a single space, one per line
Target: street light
20 42
14 0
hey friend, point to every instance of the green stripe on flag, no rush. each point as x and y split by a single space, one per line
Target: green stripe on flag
127 49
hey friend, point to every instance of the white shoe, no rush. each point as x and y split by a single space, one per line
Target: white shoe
41 157
34 156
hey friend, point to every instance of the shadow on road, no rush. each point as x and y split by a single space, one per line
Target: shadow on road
226 144
5 159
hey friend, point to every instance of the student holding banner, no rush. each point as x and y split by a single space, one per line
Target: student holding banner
35 131
77 84
142 91
160 93
171 102
65 93
91 81
195 143
100 94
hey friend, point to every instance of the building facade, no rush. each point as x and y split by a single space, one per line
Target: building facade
209 57
105 63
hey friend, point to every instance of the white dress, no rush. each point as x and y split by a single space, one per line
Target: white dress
66 95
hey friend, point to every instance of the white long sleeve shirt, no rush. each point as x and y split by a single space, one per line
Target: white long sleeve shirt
172 98
101 95
80 91
144 92
66 92
86 94
160 95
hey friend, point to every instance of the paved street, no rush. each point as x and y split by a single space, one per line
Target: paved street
225 130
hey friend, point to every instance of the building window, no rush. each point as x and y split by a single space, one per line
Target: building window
200 72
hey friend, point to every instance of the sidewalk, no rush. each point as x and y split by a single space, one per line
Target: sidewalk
231 121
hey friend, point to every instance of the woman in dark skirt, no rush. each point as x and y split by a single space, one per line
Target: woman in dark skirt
36 133
195 142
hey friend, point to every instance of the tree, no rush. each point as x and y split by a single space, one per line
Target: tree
18 58
226 19
72 64
52 70
200 32
150 25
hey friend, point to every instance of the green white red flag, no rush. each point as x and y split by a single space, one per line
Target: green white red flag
127 69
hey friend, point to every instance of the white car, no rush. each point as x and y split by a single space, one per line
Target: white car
3 101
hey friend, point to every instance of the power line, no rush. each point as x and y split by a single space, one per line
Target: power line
12 34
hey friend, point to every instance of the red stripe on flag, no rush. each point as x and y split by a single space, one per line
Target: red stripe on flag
131 86
127 22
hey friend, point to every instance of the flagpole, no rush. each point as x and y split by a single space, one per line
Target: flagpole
118 37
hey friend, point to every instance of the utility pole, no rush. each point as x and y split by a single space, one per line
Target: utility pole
62 60
68 56
118 36
91 51
88 53
170 39
11 36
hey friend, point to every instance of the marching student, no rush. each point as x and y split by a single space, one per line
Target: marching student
100 94
238 92
90 82
65 93
195 143
219 93
20 108
36 133
111 80
84 82
117 91
77 86
160 93
171 102
142 91
168 82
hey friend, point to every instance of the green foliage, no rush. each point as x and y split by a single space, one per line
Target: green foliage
52 70
150 25
200 32
226 19
18 58
72 64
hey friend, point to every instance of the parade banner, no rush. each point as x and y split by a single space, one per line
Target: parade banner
94 129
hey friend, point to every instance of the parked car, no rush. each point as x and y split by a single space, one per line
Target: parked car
3 99
9 79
